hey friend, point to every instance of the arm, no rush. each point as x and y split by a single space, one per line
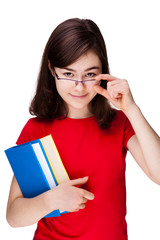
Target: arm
24 211
145 145
147 142
27 211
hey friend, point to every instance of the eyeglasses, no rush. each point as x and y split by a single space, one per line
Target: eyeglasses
89 82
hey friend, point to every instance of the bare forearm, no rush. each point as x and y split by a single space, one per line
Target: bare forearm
148 140
27 211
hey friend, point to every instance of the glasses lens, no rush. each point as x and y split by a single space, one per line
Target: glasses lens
73 82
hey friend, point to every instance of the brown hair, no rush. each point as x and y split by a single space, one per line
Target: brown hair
71 39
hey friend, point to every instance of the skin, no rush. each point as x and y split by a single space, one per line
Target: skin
144 146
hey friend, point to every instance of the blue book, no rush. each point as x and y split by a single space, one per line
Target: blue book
32 170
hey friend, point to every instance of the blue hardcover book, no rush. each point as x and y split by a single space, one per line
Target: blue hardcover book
30 171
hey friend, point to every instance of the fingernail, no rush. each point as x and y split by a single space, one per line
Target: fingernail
93 196
86 177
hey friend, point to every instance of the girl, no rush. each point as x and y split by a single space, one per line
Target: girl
72 102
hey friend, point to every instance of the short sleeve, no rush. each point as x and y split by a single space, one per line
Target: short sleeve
128 133
25 133
32 130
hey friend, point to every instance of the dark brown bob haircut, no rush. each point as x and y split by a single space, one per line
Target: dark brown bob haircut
70 40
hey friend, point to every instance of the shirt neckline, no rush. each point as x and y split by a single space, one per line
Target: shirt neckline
79 119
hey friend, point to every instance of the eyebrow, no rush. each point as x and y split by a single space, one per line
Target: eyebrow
88 69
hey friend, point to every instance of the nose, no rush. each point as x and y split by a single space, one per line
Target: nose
79 85
81 82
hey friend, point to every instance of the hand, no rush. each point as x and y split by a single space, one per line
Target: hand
117 92
68 197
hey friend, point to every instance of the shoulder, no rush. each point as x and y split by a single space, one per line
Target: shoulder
34 128
34 123
120 118
120 122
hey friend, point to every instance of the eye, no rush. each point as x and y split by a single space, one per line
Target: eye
68 74
90 75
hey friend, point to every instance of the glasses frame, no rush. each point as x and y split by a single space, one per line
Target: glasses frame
76 81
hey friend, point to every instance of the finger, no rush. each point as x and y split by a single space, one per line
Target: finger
84 200
119 88
114 82
82 206
76 210
88 195
115 94
79 181
105 77
102 91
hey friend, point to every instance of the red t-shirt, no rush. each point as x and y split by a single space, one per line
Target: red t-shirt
87 150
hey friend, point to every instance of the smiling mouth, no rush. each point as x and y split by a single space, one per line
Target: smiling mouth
78 96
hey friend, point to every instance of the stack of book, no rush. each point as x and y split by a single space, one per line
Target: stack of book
37 167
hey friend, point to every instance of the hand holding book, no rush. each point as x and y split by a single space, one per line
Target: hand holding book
67 197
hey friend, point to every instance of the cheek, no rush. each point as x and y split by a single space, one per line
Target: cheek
61 90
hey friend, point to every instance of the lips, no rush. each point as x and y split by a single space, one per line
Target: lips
78 96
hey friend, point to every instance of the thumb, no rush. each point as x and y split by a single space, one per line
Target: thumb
102 91
78 181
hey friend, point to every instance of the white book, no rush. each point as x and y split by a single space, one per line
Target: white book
44 165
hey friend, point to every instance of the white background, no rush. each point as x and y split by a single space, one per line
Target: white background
131 32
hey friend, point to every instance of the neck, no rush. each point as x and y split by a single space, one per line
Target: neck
78 114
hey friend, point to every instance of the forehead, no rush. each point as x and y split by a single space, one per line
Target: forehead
86 61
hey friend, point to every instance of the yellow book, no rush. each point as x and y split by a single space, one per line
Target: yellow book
54 159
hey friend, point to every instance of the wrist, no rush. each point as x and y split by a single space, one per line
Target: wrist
50 200
132 111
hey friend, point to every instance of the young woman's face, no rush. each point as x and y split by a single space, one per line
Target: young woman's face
78 94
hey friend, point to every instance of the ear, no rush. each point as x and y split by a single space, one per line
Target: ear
50 68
